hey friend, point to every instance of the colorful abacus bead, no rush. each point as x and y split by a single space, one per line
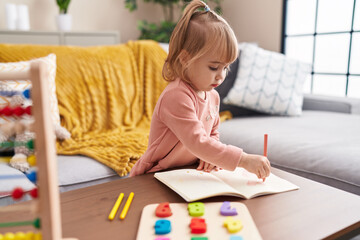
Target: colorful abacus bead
18 111
34 193
28 110
32 176
30 144
29 235
27 94
17 193
37 223
32 160
9 236
37 236
7 144
20 236
6 111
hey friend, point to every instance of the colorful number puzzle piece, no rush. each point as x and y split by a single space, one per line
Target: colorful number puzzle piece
196 209
199 238
198 225
162 238
163 210
162 227
236 238
226 209
232 225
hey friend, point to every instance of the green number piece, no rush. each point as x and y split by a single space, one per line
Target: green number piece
196 209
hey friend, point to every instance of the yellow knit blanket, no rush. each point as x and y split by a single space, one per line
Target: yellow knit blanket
106 97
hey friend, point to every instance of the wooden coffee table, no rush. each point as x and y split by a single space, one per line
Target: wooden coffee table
315 211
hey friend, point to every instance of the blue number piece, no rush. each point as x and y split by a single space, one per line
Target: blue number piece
162 226
236 238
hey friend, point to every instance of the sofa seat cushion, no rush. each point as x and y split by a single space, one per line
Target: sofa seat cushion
321 145
81 171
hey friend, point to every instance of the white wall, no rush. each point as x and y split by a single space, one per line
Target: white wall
252 20
256 21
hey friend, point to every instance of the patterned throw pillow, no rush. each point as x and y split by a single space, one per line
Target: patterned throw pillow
21 85
268 82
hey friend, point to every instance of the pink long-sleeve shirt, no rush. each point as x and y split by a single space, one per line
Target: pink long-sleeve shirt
184 128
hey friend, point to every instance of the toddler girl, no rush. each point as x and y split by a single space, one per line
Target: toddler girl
184 126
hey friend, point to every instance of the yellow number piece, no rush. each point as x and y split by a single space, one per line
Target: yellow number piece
233 225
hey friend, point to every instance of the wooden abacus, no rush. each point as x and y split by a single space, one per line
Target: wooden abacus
49 200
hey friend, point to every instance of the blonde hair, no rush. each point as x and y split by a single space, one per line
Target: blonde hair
198 32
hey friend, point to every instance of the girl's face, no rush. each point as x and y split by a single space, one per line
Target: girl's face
207 72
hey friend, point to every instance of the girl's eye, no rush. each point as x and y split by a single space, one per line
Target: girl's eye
213 68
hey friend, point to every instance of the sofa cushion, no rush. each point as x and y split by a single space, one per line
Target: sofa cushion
321 145
224 89
81 171
268 82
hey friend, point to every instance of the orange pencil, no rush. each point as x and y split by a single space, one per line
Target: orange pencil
265 144
265 147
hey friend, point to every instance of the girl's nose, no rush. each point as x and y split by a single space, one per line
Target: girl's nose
220 76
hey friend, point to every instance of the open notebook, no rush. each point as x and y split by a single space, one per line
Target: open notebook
193 185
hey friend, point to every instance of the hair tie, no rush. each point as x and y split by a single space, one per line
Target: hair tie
206 8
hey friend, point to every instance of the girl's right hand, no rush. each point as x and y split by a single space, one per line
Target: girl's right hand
257 164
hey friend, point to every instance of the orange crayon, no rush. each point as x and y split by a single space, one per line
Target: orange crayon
265 147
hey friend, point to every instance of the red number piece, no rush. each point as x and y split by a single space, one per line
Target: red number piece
198 225
163 210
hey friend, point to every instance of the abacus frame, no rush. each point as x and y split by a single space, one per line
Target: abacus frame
49 198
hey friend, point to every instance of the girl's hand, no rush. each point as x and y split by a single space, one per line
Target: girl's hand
207 167
256 164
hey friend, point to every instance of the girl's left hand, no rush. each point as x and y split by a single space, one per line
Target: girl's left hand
207 167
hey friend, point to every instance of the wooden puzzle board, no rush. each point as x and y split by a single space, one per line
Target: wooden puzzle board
180 221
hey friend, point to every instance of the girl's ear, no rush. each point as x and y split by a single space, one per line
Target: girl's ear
184 57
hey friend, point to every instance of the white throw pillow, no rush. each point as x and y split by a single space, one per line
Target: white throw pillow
268 82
